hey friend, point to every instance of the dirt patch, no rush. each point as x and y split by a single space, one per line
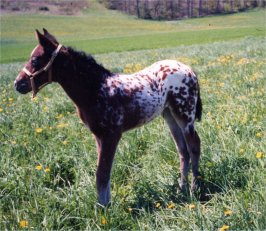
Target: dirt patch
53 7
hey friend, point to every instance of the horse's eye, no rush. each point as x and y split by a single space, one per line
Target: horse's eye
34 62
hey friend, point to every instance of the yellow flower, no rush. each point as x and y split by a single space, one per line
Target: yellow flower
191 206
225 227
38 130
45 109
157 205
171 205
103 221
130 210
23 224
258 134
38 167
259 155
241 150
228 212
65 142
10 99
59 116
242 61
1 109
221 84
47 169
35 99
13 142
62 125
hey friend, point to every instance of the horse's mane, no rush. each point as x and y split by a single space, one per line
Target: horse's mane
88 70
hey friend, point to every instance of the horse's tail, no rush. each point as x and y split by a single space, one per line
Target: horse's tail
199 107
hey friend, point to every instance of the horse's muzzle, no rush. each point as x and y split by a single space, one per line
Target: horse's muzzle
21 86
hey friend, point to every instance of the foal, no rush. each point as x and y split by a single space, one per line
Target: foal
110 104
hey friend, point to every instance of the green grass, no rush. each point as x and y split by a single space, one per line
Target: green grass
101 31
145 173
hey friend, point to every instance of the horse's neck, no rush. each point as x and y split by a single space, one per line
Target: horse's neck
78 91
80 83
75 92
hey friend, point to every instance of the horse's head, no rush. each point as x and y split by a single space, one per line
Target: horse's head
37 72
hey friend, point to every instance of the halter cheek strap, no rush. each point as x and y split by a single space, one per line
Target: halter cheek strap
47 68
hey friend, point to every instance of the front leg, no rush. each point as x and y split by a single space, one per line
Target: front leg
106 147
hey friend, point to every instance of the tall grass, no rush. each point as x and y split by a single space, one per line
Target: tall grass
48 158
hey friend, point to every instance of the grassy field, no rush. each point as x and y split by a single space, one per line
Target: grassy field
101 31
48 158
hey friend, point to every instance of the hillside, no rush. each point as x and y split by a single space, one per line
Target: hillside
99 30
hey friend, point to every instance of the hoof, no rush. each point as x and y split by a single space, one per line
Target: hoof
101 206
196 184
183 186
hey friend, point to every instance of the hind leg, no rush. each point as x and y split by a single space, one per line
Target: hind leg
193 146
180 142
192 141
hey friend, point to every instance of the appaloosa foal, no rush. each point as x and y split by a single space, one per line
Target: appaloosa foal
110 104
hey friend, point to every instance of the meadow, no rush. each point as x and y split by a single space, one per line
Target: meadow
48 158
102 31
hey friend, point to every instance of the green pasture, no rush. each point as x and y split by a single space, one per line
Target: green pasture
101 31
48 157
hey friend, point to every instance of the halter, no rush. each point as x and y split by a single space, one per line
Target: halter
44 69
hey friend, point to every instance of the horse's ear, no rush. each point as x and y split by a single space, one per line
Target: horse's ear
50 36
44 41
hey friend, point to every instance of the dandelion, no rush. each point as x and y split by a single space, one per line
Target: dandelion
192 206
171 205
259 155
45 109
10 99
103 221
1 109
23 224
157 205
62 125
59 116
130 210
47 169
65 142
225 227
242 61
38 167
228 212
258 134
38 130
35 99
241 150
13 142
221 84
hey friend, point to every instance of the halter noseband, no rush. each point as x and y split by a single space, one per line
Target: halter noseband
44 69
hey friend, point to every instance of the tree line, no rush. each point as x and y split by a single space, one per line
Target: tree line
179 9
